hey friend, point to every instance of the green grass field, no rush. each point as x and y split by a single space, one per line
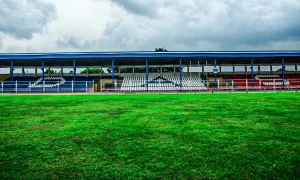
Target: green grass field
233 136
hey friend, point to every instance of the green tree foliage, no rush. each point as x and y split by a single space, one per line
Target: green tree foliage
161 49
51 71
92 71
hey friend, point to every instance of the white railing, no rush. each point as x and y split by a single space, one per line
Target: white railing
188 84
52 85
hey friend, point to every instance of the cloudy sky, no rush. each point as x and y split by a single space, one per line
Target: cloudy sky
116 25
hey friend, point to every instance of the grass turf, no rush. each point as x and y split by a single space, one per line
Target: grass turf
234 136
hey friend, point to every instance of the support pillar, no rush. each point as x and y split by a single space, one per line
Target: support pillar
35 71
252 73
258 68
62 71
11 70
199 68
74 70
147 74
189 68
23 71
296 69
174 70
246 71
215 71
271 68
180 73
233 69
161 72
283 69
43 70
113 73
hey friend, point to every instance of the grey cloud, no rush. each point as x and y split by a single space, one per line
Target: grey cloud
1 44
223 25
69 41
22 18
140 7
76 43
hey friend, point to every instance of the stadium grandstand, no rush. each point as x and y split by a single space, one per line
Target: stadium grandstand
149 71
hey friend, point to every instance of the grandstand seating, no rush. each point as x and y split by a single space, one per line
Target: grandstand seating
162 83
50 84
264 81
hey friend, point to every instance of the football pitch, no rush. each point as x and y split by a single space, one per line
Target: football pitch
217 136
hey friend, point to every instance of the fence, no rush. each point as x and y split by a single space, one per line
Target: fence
141 86
46 86
201 86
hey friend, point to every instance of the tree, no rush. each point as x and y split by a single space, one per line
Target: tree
92 71
161 49
51 71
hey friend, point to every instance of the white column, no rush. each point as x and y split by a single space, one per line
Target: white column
16 86
2 86
86 86
101 85
93 85
260 84
44 85
72 86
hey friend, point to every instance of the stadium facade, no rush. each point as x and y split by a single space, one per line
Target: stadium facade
151 71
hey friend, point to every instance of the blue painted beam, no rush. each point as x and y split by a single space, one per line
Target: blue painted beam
283 69
252 73
113 73
74 70
11 70
113 55
147 74
43 68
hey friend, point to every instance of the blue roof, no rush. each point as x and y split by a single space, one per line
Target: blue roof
148 54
